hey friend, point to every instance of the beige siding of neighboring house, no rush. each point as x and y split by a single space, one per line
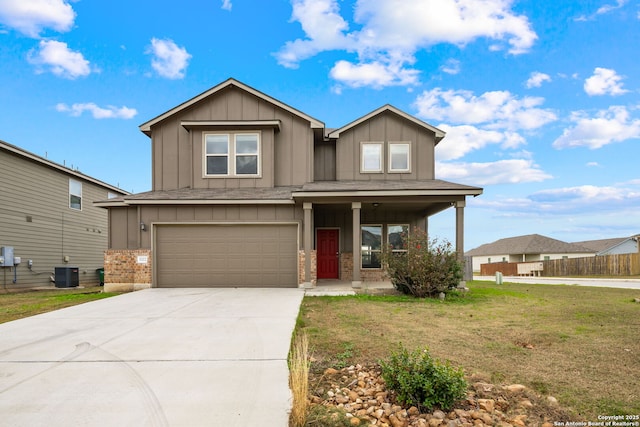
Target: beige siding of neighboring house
36 220
127 234
286 154
385 127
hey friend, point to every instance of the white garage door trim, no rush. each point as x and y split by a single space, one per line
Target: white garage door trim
156 226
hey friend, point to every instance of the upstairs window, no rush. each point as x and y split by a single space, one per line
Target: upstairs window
246 151
371 157
75 194
399 157
232 155
217 154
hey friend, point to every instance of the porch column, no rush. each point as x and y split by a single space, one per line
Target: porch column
460 229
308 243
357 247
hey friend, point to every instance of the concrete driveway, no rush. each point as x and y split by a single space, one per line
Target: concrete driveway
157 357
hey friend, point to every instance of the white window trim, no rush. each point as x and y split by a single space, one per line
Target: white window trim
231 155
71 180
380 145
408 169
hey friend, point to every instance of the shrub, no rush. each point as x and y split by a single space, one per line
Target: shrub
422 267
419 380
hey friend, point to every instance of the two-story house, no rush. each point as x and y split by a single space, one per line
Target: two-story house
249 191
48 220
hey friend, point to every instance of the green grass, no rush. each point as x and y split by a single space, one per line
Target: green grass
17 305
578 344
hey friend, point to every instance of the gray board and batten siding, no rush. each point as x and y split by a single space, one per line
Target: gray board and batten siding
37 221
178 142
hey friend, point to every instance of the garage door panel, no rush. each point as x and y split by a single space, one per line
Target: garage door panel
226 255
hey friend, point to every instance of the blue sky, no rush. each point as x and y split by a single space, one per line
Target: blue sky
540 100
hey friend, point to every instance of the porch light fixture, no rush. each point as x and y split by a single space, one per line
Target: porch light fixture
375 205
142 226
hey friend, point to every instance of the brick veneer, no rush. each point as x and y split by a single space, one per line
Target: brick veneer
314 267
122 273
366 275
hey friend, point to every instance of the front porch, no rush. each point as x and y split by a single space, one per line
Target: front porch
346 226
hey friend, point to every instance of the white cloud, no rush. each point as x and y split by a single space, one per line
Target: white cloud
496 109
622 199
512 171
602 10
452 66
593 164
226 5
464 139
608 126
604 82
31 17
375 74
536 79
392 32
324 27
411 24
59 59
169 60
110 112
609 7
583 195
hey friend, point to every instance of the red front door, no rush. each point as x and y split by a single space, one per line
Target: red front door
328 257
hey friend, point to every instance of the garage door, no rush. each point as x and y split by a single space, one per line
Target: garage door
226 255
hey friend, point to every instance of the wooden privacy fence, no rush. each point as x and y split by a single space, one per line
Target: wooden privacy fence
604 265
506 268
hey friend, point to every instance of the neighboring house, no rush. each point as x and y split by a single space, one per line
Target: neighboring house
616 246
249 191
48 218
532 247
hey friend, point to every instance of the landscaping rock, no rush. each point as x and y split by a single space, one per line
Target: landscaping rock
515 388
361 392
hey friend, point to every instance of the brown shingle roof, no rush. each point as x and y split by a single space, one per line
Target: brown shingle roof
431 184
529 244
277 193
602 244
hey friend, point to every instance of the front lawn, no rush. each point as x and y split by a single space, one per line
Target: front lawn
18 304
578 344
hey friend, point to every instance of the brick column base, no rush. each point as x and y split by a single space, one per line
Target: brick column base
314 267
125 270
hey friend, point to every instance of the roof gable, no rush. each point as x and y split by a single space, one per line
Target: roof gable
146 127
388 107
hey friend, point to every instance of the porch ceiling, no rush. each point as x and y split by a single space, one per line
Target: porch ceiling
383 205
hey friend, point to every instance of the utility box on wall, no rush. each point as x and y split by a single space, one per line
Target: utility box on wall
6 256
67 277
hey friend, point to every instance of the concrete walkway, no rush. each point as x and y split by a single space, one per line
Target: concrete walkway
158 357
606 283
